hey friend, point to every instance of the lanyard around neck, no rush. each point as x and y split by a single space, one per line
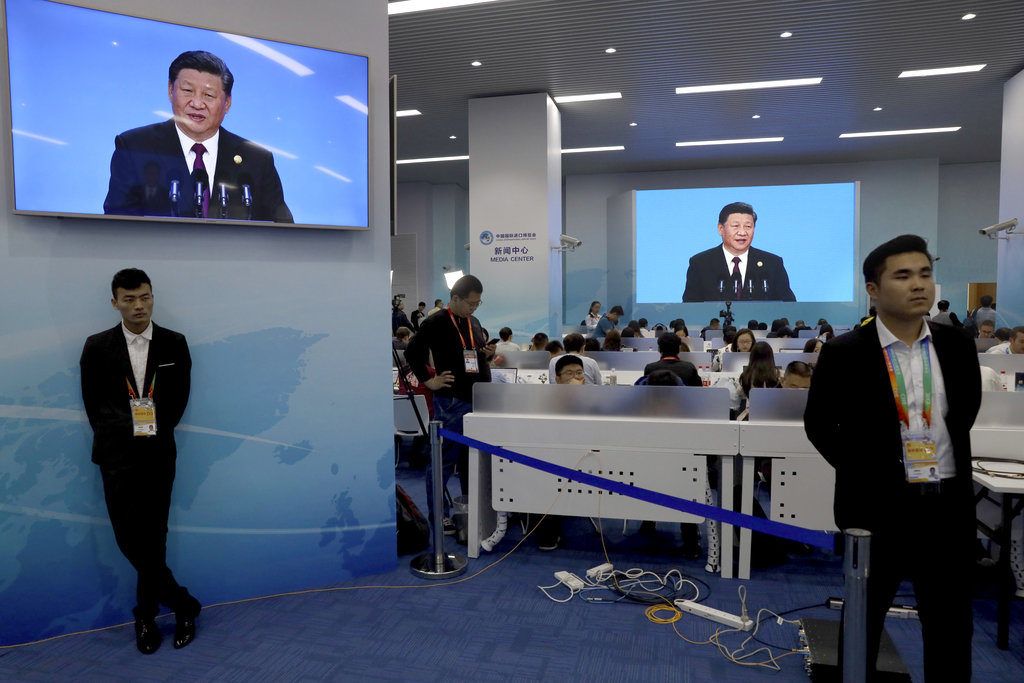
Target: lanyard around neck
469 324
131 392
899 386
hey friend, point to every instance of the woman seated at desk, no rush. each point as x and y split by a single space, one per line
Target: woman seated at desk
743 341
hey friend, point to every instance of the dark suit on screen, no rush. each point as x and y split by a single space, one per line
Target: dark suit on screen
708 278
138 472
852 421
159 144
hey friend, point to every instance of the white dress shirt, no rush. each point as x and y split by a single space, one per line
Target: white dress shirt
503 347
209 158
910 359
138 354
729 256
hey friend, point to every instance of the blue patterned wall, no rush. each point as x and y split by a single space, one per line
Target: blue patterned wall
285 459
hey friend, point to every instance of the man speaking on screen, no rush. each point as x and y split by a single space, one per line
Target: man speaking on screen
205 171
735 270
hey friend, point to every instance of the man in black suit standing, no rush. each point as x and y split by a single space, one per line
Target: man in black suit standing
239 179
891 407
135 386
735 270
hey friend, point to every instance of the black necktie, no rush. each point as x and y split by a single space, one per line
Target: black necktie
200 165
736 276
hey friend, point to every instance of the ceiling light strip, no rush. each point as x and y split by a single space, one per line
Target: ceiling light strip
912 131
739 141
578 150
754 85
970 68
588 98
429 160
407 6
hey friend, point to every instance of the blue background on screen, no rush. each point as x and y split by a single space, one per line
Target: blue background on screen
812 227
82 76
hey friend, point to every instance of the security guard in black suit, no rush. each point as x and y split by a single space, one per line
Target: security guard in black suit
135 386
891 407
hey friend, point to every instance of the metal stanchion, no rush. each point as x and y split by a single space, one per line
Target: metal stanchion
436 563
856 568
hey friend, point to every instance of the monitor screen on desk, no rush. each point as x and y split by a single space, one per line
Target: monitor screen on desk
504 375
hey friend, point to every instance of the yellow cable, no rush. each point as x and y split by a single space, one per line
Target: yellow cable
652 614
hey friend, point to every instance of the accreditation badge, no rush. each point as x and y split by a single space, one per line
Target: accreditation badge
471 361
920 459
143 416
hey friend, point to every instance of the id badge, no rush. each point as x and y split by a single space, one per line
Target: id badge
143 416
920 459
471 361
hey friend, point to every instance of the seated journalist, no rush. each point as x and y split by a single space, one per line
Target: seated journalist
239 179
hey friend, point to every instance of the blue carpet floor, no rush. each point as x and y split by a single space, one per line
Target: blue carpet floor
495 627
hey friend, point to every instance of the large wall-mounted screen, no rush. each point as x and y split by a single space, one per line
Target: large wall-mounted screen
769 243
106 111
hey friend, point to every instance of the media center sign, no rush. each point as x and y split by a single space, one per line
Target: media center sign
510 247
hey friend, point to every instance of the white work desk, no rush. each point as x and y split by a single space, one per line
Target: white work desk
999 433
802 484
659 453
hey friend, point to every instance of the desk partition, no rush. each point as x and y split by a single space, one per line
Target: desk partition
777 404
527 360
695 403
735 362
606 360
1010 363
640 343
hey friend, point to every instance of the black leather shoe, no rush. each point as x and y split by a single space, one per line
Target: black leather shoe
147 636
184 632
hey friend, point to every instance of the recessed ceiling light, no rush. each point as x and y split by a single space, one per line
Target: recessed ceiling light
452 137
756 116
877 109
428 160
968 16
476 62
587 98
632 124
610 51
406 6
756 85
786 34
913 131
408 112
942 72
577 150
741 141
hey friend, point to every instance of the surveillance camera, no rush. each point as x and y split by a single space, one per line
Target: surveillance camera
993 230
569 241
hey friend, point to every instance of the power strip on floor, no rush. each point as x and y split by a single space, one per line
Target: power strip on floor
570 580
717 615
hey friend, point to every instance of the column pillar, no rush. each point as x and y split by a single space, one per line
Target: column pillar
515 212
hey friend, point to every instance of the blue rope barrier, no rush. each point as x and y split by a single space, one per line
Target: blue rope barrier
818 539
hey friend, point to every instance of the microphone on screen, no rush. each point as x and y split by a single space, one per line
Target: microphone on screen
246 181
201 180
222 197
174 194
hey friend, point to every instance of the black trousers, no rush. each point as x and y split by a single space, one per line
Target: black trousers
138 495
930 544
